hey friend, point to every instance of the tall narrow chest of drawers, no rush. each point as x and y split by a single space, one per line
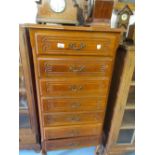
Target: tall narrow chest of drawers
73 68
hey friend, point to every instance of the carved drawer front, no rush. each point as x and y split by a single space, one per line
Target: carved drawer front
72 143
73 104
73 66
57 119
75 43
72 131
73 87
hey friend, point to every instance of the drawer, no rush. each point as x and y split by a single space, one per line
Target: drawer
75 43
56 119
74 87
72 131
73 104
90 66
72 143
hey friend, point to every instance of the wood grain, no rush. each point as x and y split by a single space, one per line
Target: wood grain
69 15
102 29
68 95
72 131
48 42
123 72
56 66
72 143
60 119
61 87
30 136
103 10
73 104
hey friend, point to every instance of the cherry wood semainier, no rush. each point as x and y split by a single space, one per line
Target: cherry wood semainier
73 69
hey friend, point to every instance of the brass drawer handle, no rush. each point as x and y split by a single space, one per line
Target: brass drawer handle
76 68
48 68
75 105
50 119
73 144
75 88
49 104
73 119
99 104
74 46
73 133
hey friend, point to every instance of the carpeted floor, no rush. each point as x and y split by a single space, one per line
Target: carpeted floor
83 151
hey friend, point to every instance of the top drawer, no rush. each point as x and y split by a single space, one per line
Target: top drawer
74 43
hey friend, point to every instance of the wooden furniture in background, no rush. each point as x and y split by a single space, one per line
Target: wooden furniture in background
102 10
77 12
124 17
120 4
120 137
28 125
131 33
61 11
73 69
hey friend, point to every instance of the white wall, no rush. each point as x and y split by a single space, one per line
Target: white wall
27 11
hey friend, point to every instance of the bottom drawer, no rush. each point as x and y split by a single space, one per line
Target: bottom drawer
71 143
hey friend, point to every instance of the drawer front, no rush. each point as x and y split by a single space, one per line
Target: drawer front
73 104
57 66
73 87
72 131
72 118
72 143
75 43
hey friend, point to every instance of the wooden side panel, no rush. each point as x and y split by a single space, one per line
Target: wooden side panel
31 135
117 99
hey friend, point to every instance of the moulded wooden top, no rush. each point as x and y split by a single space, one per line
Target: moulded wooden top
75 28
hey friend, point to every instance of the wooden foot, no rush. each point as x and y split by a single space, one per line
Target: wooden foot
99 150
35 147
43 152
37 151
